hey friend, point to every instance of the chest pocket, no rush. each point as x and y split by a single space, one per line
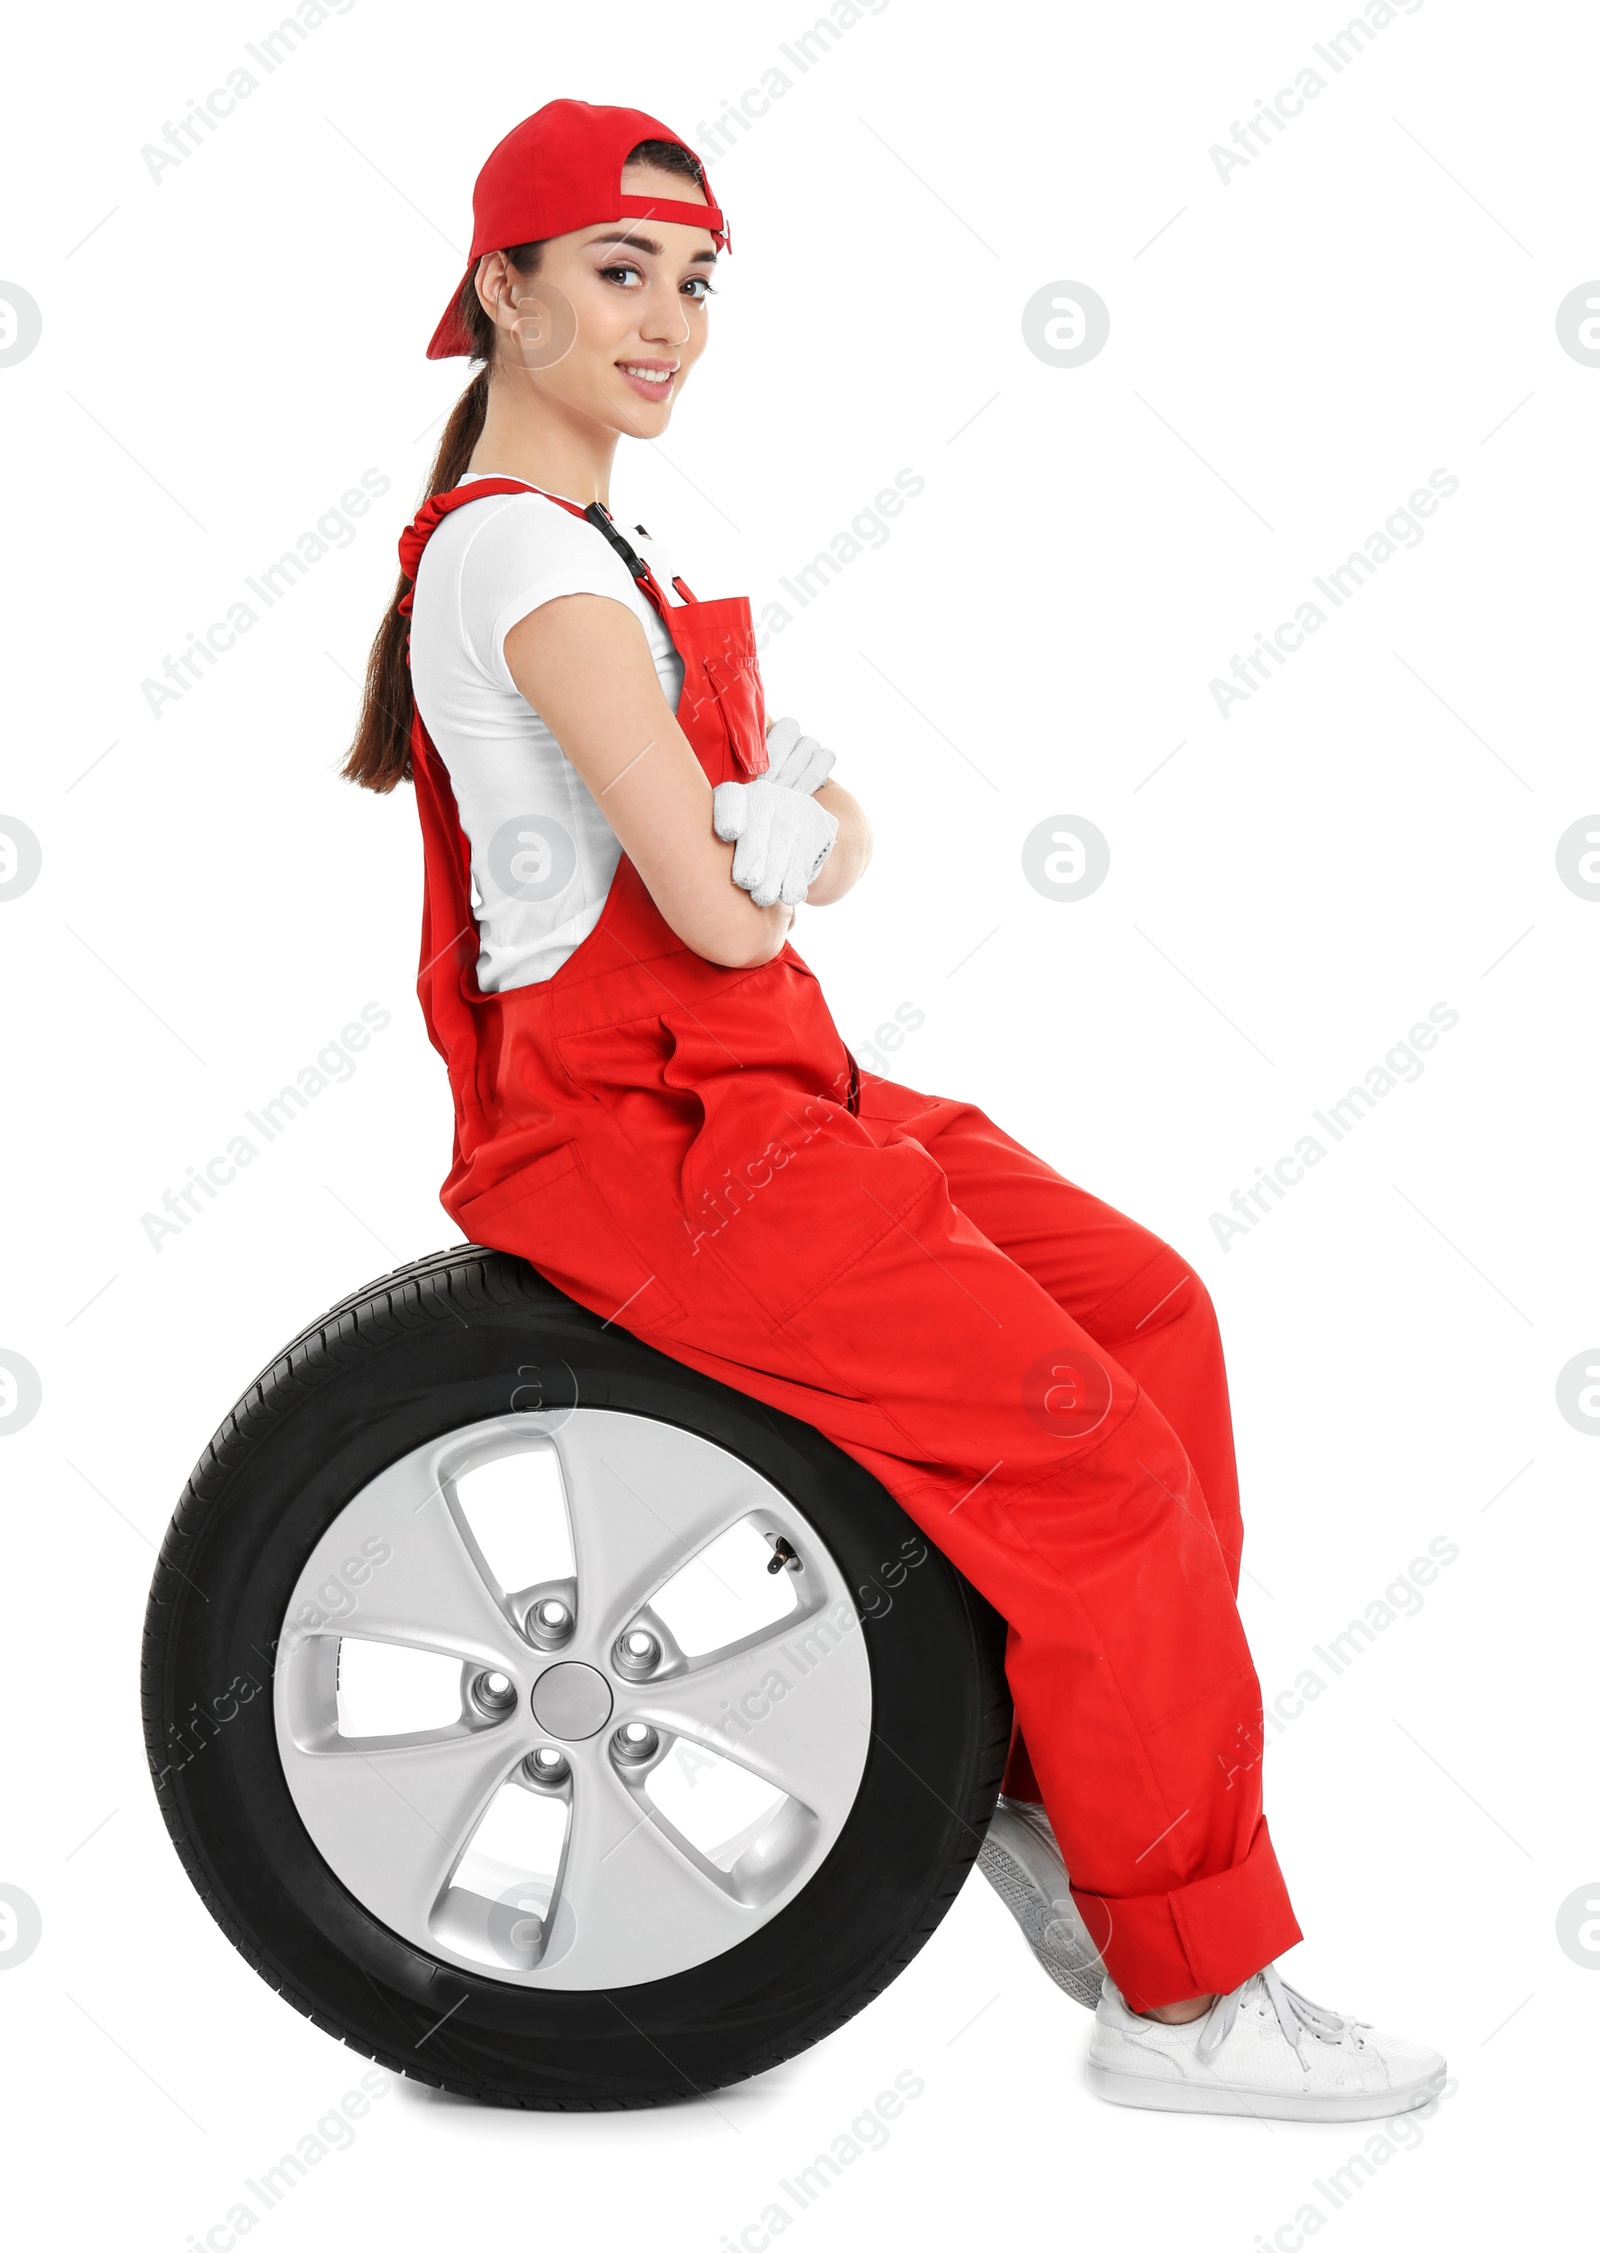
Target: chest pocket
735 686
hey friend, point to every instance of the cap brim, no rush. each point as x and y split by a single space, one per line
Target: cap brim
450 339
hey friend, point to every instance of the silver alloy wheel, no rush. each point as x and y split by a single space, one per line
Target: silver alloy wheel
575 1693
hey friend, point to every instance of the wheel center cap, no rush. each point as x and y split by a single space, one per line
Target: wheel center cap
571 1700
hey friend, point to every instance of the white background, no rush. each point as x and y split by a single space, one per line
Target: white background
1291 353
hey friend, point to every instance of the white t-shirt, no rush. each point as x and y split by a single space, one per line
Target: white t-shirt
543 854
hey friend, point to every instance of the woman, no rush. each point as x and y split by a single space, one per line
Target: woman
655 1108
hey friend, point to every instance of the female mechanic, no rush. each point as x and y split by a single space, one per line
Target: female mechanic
654 1107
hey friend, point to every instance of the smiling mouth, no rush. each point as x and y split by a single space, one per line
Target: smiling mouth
657 379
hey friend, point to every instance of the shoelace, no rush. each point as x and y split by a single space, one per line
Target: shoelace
1297 2017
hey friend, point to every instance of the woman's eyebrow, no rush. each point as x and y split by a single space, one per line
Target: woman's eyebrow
651 249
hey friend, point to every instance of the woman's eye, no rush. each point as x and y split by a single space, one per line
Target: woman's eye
697 288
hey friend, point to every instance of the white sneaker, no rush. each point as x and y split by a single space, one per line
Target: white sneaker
1263 2049
1021 1860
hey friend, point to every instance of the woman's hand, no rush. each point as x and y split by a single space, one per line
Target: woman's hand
799 762
781 837
796 761
852 849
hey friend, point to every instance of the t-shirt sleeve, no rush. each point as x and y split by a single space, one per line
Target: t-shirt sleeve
525 553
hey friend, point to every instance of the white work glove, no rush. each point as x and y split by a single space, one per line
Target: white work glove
795 761
780 838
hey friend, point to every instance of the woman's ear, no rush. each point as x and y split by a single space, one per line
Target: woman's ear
536 318
494 282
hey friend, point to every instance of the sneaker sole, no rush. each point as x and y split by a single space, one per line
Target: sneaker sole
1075 1973
1277 2104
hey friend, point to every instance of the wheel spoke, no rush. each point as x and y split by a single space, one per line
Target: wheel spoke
626 1893
394 1819
424 1583
642 1499
793 1706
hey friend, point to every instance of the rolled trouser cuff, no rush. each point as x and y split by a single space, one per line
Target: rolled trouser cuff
1203 1938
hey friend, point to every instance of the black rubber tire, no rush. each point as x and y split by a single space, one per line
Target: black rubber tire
441 1344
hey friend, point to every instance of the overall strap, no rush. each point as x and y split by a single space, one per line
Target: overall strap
446 984
432 513
600 517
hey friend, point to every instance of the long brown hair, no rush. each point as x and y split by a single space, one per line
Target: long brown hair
381 753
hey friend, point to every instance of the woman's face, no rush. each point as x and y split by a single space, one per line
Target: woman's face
615 317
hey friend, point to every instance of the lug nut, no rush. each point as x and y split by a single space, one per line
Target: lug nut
494 1693
637 1652
549 1622
635 1741
547 1766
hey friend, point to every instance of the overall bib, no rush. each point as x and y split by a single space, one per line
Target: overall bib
691 1151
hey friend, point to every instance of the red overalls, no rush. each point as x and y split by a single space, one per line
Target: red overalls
1038 1380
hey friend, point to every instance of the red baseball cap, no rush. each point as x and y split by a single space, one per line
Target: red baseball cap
559 170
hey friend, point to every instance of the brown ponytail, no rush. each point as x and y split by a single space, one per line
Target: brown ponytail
381 753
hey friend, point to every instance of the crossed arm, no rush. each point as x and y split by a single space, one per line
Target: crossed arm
583 663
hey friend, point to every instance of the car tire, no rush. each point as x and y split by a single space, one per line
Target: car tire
468 1341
